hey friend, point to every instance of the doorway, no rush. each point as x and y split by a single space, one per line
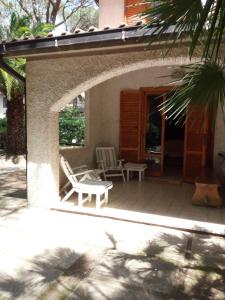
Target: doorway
174 149
168 150
164 144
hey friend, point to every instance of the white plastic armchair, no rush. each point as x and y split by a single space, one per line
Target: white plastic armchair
108 162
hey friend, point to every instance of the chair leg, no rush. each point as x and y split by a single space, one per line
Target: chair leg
106 196
64 187
140 174
80 199
89 197
67 195
124 179
98 201
128 175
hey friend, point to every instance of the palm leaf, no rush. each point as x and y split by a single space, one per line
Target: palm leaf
203 23
19 27
174 16
202 86
41 29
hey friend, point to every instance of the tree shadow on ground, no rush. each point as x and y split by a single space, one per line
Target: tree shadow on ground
155 274
158 270
36 275
13 178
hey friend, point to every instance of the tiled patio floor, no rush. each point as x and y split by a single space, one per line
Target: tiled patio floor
54 255
156 202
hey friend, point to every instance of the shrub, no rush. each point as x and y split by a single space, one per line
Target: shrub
71 127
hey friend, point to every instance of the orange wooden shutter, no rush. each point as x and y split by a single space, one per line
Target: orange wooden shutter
132 8
195 149
130 125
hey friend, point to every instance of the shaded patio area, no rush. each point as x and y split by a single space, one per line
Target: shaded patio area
155 201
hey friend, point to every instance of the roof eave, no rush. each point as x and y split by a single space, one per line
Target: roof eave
75 42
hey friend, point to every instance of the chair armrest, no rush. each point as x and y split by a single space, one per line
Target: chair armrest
82 173
82 167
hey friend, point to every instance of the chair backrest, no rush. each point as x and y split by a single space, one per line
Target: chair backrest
79 174
67 170
107 156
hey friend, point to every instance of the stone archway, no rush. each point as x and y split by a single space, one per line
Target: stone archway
51 84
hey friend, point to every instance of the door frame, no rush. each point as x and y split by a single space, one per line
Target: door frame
146 91
208 130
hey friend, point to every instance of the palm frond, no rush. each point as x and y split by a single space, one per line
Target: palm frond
7 82
202 86
177 16
41 29
19 26
203 23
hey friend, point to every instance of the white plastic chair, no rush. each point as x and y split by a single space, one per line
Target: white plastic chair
85 182
108 162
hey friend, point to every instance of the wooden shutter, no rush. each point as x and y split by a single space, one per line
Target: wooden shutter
132 8
130 125
196 140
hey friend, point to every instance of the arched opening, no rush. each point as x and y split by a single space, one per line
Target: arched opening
102 79
102 99
104 121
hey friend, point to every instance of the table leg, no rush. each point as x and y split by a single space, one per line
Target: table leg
128 175
140 175
98 201
106 196
80 199
89 197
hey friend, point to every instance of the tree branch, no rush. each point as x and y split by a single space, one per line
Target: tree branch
55 9
65 18
22 6
34 6
47 11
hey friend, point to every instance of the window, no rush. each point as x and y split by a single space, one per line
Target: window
72 123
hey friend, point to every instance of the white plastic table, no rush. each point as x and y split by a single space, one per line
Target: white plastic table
134 167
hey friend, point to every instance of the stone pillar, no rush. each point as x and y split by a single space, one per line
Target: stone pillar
43 153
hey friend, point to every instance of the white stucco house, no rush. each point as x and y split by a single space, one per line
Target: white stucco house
123 80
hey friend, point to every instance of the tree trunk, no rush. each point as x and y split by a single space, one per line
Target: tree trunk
15 142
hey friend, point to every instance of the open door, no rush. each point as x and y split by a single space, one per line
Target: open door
195 146
130 125
154 133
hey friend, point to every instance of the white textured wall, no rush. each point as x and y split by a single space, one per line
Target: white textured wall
111 12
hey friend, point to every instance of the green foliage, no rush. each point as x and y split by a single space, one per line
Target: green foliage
19 27
9 86
71 127
3 125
